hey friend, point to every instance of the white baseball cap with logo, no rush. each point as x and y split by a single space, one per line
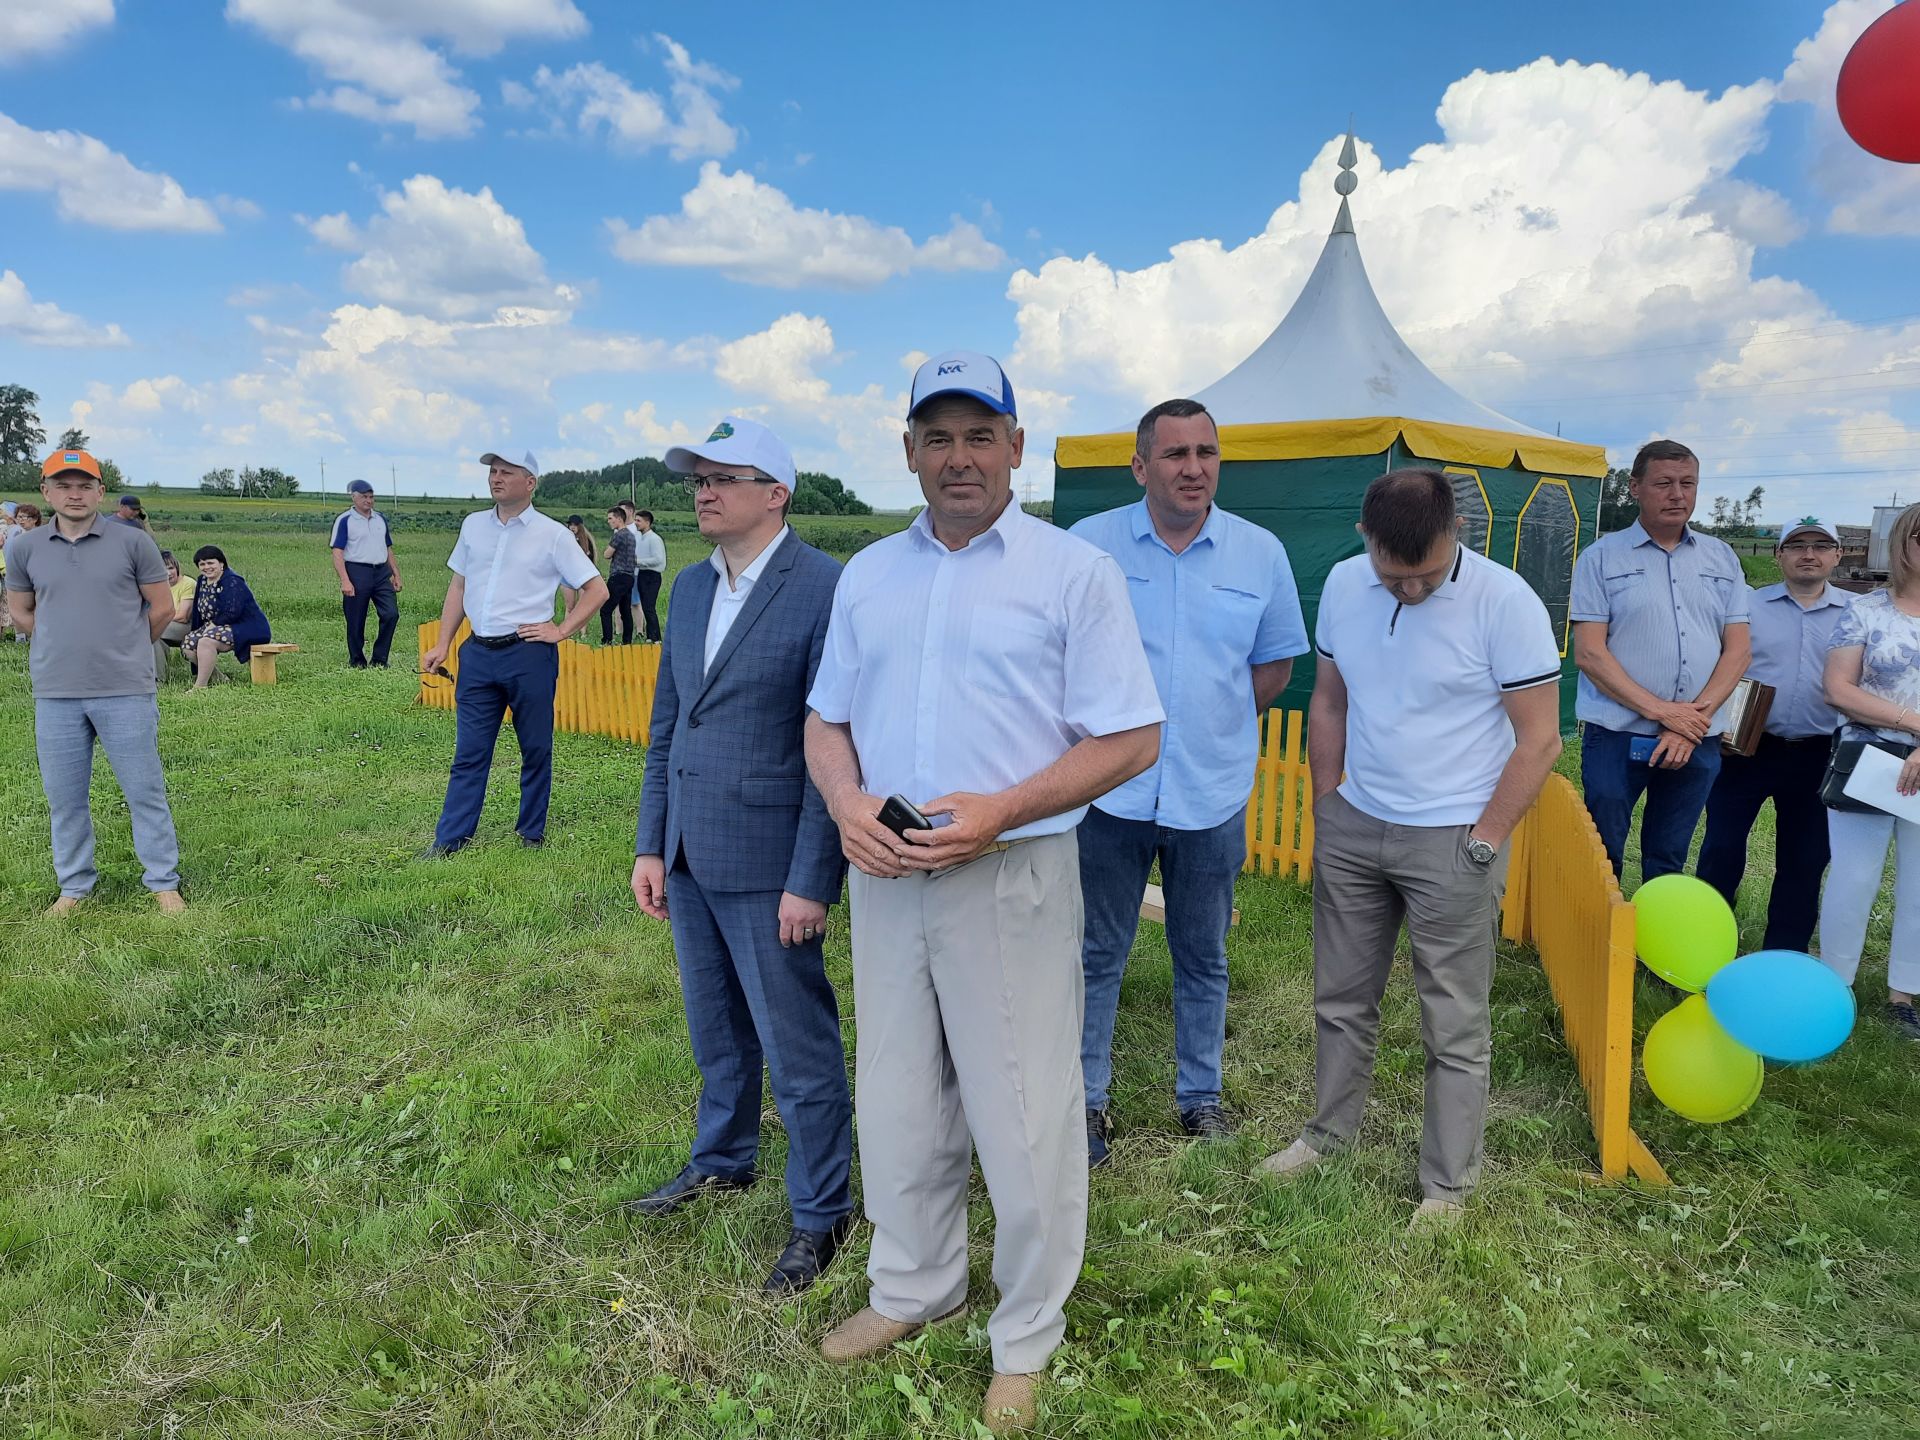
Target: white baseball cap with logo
502 457
737 441
962 372
1810 523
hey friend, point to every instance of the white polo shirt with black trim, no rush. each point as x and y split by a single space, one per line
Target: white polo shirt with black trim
1427 734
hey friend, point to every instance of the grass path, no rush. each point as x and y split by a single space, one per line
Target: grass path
337 1155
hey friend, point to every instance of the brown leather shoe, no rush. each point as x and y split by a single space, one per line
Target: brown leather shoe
65 905
170 902
1010 1403
869 1332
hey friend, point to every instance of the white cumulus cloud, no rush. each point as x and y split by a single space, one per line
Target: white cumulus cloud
41 322
752 232
600 101
1870 196
30 28
387 57
96 185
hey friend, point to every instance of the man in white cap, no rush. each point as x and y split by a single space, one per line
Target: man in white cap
1791 625
735 847
983 672
506 565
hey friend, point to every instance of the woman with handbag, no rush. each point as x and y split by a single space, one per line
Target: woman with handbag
1873 678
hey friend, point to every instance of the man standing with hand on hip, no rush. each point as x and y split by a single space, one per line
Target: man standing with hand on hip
506 565
1220 617
736 849
986 668
1660 635
1437 695
94 598
362 550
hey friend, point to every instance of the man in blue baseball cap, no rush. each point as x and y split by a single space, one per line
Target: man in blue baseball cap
362 550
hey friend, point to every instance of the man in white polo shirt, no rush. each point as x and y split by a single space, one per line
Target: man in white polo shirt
362 550
986 668
506 565
1437 695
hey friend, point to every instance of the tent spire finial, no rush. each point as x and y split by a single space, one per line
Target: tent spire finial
1346 182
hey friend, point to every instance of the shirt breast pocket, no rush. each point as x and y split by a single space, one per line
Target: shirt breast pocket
1627 591
1011 654
1234 614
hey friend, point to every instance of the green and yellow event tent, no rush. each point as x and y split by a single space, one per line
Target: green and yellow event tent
1333 398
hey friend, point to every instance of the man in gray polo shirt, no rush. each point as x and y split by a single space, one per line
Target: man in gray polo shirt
95 598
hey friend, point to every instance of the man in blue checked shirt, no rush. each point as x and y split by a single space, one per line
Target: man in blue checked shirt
362 549
1660 635
1220 618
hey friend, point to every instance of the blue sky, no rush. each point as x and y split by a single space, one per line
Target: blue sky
388 234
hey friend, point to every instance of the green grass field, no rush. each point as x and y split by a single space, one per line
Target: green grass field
338 1153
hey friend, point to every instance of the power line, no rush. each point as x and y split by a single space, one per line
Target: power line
1825 329
1730 391
1803 474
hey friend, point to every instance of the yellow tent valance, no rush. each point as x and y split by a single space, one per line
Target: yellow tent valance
1311 439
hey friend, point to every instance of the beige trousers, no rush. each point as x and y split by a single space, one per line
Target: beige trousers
967 1005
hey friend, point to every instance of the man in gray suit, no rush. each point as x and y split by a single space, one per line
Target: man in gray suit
735 845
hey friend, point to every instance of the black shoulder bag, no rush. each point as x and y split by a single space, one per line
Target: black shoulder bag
1846 755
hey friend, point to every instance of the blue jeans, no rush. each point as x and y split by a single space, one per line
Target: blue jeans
128 728
1675 799
1197 871
521 677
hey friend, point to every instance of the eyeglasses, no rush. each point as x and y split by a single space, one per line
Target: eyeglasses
1815 547
721 483
437 678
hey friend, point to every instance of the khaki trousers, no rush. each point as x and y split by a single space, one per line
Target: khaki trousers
967 1005
1368 876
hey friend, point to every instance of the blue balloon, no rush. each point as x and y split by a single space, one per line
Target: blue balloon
1782 1004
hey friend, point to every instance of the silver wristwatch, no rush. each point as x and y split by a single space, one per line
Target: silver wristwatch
1480 852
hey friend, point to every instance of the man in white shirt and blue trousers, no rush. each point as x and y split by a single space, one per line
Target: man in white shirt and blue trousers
1437 696
985 667
362 547
1219 615
507 565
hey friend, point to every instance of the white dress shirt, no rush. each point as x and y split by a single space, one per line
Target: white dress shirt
975 669
513 567
649 550
730 599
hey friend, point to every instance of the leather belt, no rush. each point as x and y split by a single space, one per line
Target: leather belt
496 642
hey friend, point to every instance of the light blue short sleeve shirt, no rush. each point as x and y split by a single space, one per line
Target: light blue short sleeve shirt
1790 653
1664 613
1206 615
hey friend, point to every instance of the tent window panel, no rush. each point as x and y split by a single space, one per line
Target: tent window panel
1543 552
1470 499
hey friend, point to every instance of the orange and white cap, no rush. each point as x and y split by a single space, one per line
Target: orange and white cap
61 461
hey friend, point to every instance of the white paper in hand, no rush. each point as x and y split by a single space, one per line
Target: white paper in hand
1872 781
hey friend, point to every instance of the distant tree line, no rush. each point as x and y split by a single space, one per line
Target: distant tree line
654 487
23 444
267 482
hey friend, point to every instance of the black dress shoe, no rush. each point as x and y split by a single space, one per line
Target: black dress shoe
686 1187
533 842
437 851
1099 1138
1207 1122
808 1253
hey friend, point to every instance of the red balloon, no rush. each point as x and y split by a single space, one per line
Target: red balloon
1879 90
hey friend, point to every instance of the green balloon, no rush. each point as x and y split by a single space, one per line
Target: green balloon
1698 1070
1683 930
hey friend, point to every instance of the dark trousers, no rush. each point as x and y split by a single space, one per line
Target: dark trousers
619 599
751 1001
372 585
519 677
1787 772
1675 798
649 586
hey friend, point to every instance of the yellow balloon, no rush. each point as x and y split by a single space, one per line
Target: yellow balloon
1683 930
1698 1070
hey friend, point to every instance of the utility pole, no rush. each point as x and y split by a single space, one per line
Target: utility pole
393 481
633 494
323 477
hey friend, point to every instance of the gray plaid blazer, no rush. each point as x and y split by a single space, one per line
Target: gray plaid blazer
726 778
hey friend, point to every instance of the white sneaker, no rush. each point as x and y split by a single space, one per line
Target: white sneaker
1295 1160
1435 1215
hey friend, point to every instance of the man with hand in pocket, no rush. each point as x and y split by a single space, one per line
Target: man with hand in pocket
1437 696
1219 615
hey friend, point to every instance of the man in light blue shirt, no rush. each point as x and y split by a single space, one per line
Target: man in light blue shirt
1220 618
362 549
1792 623
1660 635
506 565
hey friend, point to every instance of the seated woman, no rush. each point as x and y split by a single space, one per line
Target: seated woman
225 616
177 628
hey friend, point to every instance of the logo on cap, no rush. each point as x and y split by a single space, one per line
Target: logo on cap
952 367
722 431
70 458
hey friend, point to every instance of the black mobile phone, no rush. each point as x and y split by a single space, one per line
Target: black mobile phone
900 816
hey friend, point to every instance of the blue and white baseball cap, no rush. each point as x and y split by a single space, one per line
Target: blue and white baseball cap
525 462
963 372
737 441
361 487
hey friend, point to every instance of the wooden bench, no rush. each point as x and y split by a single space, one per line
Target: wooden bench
262 660
1153 906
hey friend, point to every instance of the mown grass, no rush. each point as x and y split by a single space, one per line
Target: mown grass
338 1155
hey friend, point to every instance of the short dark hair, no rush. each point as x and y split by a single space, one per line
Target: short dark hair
646 515
1172 410
166 558
209 552
1405 511
1660 450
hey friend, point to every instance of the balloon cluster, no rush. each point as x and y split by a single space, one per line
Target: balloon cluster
1704 1059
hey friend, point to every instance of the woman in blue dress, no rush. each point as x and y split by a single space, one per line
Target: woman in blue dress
225 616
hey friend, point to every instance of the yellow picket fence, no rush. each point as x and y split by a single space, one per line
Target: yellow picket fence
1561 895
